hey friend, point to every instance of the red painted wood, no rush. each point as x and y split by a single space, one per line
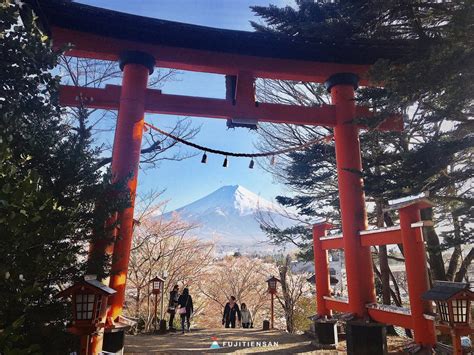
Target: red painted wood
417 275
382 316
88 45
245 91
321 269
338 306
382 238
125 159
108 98
336 243
360 276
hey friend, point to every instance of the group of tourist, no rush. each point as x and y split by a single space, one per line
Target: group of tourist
183 305
232 314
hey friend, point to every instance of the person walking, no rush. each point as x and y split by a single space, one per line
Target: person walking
185 302
172 305
231 313
246 316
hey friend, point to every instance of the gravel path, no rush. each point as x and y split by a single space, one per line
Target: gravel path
235 341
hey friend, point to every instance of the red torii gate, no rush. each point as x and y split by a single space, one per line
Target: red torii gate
140 44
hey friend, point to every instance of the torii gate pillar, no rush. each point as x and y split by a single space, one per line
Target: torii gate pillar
360 276
136 68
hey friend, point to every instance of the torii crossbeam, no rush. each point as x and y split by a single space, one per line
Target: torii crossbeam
157 102
140 44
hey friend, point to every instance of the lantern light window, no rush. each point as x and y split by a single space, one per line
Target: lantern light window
459 311
157 284
84 306
443 310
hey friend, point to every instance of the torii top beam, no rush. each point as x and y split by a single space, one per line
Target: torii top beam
103 34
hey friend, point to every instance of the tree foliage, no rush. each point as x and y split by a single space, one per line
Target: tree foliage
430 82
49 185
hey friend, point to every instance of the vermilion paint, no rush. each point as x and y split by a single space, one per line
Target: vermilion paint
125 161
108 98
321 269
417 275
89 45
133 100
360 277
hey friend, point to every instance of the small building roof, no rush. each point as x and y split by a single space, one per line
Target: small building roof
332 280
444 290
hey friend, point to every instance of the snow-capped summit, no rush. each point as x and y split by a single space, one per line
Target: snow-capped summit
231 214
228 200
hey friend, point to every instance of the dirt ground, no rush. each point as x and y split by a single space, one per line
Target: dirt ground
235 341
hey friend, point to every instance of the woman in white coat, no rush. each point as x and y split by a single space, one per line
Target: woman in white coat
246 316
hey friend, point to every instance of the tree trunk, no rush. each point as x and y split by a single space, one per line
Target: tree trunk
137 305
287 304
384 274
433 247
464 266
454 263
393 293
398 298
389 223
383 260
457 252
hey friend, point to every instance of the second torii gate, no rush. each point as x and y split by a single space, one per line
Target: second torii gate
139 44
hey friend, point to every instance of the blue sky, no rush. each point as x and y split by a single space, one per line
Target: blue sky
188 180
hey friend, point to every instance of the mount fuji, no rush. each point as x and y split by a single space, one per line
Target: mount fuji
230 215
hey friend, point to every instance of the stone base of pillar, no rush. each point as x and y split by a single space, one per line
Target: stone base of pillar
326 332
366 338
114 342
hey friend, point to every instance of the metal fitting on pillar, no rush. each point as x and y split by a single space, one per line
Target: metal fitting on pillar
342 79
137 57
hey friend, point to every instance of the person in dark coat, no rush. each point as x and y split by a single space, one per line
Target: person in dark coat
231 313
185 302
172 305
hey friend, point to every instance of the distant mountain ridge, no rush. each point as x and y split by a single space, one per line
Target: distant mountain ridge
230 215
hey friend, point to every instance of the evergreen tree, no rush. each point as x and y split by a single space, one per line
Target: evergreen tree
49 184
431 82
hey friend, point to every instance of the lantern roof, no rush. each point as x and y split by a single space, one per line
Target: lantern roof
118 25
273 278
93 285
157 278
445 290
